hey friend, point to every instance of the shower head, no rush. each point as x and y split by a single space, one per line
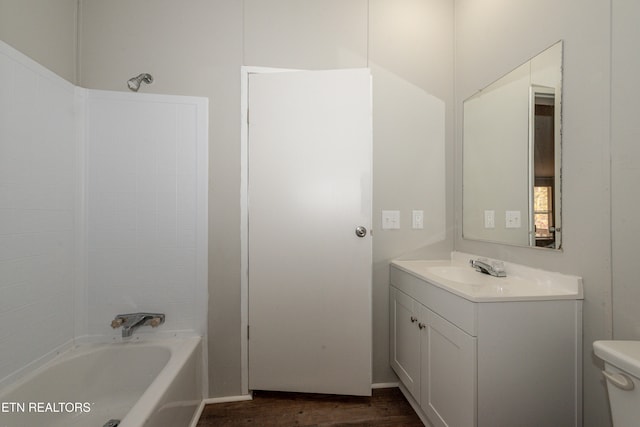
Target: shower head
134 82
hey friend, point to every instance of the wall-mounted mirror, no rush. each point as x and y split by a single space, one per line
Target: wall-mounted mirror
511 156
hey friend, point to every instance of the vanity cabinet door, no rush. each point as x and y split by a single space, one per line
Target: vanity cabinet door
405 341
448 376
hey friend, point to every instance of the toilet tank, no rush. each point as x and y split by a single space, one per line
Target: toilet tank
622 373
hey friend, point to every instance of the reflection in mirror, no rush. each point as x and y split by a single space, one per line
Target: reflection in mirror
511 156
542 226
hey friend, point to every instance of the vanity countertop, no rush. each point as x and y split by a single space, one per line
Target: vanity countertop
521 284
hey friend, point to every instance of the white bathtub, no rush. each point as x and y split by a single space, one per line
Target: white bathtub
154 383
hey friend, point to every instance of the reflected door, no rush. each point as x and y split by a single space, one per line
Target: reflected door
309 190
544 220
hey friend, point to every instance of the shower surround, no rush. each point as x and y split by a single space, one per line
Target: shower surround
103 210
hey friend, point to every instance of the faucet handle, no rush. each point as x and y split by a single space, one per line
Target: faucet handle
117 322
472 262
498 266
155 322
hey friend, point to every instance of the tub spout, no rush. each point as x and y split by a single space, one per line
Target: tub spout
132 321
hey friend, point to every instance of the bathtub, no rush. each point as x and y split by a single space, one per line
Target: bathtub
153 383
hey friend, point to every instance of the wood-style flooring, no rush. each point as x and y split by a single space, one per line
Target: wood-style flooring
387 407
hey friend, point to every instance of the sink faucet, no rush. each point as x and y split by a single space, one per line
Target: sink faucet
132 321
494 269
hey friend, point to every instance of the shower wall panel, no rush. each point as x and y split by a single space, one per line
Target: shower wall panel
103 210
146 162
39 176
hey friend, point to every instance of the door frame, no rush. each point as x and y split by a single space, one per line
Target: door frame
245 72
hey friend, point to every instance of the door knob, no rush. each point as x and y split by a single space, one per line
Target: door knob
361 231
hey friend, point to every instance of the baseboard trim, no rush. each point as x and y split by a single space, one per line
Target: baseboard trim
384 385
243 397
213 401
196 416
227 399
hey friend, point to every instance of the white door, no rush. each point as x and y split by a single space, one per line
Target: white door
309 188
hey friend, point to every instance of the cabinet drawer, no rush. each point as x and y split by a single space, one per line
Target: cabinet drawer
457 310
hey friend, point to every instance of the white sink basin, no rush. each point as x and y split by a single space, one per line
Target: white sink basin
463 275
521 284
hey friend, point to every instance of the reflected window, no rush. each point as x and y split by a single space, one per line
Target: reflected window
543 211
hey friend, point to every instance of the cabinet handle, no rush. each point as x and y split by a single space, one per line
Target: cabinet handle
414 319
421 325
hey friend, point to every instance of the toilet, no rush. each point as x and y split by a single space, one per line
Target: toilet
622 373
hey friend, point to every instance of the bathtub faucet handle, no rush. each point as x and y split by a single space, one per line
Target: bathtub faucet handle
117 322
132 321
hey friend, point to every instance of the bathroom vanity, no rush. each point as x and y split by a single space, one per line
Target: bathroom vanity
476 350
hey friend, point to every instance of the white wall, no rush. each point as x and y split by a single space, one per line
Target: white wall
305 34
408 44
44 30
411 58
492 37
146 195
625 173
39 173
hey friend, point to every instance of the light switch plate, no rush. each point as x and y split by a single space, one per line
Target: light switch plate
490 219
418 220
512 219
390 220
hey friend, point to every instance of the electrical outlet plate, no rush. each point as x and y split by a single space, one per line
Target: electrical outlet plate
418 219
512 219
